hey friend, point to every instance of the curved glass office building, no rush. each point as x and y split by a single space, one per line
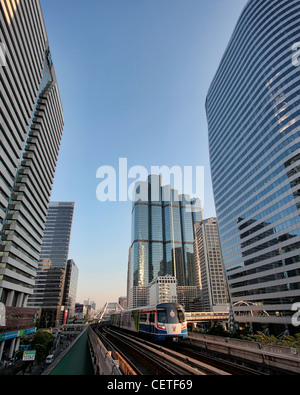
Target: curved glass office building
253 112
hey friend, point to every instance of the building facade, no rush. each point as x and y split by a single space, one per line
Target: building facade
48 295
59 298
162 290
211 278
253 112
31 130
162 238
70 289
57 234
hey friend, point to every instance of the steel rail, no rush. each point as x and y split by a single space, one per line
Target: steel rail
185 364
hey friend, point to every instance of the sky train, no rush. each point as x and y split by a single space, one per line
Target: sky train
161 322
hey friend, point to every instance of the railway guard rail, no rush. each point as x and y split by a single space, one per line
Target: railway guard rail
276 357
102 360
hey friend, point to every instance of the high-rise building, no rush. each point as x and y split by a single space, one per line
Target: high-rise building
70 288
31 124
48 295
253 112
57 234
123 302
162 238
59 300
211 278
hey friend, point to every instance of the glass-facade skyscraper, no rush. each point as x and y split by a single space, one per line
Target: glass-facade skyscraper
57 234
162 238
54 293
253 112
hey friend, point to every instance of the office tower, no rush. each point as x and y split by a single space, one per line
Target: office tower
162 238
31 130
57 234
48 295
123 302
53 262
209 263
70 290
254 137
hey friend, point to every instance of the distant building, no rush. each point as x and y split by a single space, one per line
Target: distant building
123 302
57 233
53 265
78 313
186 297
162 289
70 288
211 278
48 295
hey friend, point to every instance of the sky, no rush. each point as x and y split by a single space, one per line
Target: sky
133 77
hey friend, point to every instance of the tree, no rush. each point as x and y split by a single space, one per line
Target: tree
283 341
42 342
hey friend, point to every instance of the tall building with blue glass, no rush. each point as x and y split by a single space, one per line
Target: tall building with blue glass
162 238
253 112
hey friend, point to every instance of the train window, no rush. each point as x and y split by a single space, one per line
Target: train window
152 317
162 316
181 317
143 317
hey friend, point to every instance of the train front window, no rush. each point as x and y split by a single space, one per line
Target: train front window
181 317
162 316
170 315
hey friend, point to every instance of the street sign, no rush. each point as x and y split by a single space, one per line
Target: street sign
29 355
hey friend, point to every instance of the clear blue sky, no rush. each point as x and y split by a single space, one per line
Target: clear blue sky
133 77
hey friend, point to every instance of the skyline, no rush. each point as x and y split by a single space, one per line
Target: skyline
127 92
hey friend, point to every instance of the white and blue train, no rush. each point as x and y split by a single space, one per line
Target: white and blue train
161 322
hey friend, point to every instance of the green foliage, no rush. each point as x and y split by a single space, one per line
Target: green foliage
136 318
218 330
42 343
283 341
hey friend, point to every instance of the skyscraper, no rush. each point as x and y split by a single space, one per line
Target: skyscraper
162 238
57 234
208 258
31 129
70 288
50 296
253 108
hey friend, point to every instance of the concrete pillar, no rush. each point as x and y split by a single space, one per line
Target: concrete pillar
25 301
20 299
1 349
10 298
17 344
12 348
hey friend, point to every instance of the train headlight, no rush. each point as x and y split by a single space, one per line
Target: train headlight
161 326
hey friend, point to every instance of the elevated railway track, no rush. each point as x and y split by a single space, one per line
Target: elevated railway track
138 356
